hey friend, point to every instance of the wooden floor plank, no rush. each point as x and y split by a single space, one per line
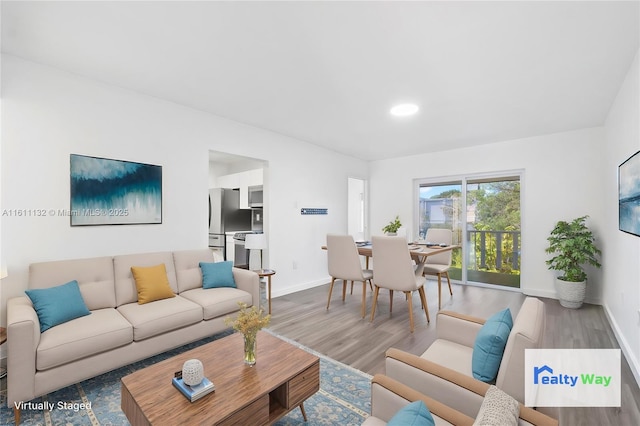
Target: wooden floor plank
342 334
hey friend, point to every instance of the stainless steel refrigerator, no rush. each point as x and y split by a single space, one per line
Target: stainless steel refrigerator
225 215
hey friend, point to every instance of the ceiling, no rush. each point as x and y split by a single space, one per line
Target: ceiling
328 72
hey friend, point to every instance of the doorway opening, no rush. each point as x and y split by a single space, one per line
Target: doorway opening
356 209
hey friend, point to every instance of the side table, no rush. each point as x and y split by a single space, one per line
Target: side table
267 273
3 338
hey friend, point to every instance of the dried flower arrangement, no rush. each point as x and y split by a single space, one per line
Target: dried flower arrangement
248 322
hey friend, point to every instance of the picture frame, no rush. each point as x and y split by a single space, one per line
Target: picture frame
105 191
629 195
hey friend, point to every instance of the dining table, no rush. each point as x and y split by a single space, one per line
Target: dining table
418 251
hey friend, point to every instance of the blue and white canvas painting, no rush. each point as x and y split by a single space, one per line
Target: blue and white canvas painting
114 192
629 195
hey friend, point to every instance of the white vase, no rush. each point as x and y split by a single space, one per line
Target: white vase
571 294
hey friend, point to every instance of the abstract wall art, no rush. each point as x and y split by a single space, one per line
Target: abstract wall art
629 195
114 192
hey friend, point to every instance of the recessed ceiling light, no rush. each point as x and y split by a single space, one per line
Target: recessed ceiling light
404 110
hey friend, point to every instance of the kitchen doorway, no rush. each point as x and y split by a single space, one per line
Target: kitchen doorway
357 221
241 178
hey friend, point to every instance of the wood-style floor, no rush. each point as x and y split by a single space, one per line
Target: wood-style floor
341 333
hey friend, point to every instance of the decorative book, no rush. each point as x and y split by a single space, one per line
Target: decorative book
193 393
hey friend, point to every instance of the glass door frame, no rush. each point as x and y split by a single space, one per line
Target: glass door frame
463 181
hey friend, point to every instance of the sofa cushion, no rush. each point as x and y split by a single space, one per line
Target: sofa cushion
57 305
187 263
94 276
103 330
489 346
450 354
413 414
126 291
217 302
218 274
164 315
152 283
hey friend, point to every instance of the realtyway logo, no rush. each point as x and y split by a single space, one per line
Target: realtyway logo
564 379
572 377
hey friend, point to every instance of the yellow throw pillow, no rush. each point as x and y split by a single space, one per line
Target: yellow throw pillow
152 283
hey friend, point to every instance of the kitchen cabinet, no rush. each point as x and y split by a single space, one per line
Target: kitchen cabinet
230 244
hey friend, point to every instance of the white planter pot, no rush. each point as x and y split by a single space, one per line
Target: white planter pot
571 294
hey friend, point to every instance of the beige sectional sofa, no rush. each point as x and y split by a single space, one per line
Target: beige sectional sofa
118 331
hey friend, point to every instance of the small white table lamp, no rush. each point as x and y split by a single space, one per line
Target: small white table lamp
255 242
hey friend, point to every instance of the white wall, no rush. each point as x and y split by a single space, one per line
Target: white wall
561 181
621 260
48 114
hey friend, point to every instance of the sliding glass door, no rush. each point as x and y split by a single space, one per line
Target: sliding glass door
484 214
440 206
493 231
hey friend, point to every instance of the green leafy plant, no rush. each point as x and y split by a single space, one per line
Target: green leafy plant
393 226
573 244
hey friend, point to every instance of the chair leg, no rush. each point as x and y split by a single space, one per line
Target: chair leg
439 291
449 282
375 300
333 280
344 289
409 299
16 415
423 299
351 287
370 285
364 299
390 301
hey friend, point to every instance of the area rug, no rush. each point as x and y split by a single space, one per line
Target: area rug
343 398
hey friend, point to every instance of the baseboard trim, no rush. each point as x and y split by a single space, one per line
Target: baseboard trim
634 364
304 286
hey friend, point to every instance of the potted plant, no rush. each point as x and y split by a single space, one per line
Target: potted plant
573 246
392 227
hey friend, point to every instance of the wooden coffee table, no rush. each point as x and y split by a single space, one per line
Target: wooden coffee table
282 378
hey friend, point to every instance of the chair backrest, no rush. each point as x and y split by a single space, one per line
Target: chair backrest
439 236
343 258
392 264
527 333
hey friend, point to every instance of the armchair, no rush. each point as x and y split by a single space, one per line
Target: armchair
452 352
388 396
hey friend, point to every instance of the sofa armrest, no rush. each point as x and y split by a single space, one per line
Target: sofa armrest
23 337
388 396
248 281
456 390
458 328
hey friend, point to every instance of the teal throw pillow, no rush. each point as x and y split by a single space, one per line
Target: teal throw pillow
489 346
57 305
414 414
217 274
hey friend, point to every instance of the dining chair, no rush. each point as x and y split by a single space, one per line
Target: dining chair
439 264
344 264
393 269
